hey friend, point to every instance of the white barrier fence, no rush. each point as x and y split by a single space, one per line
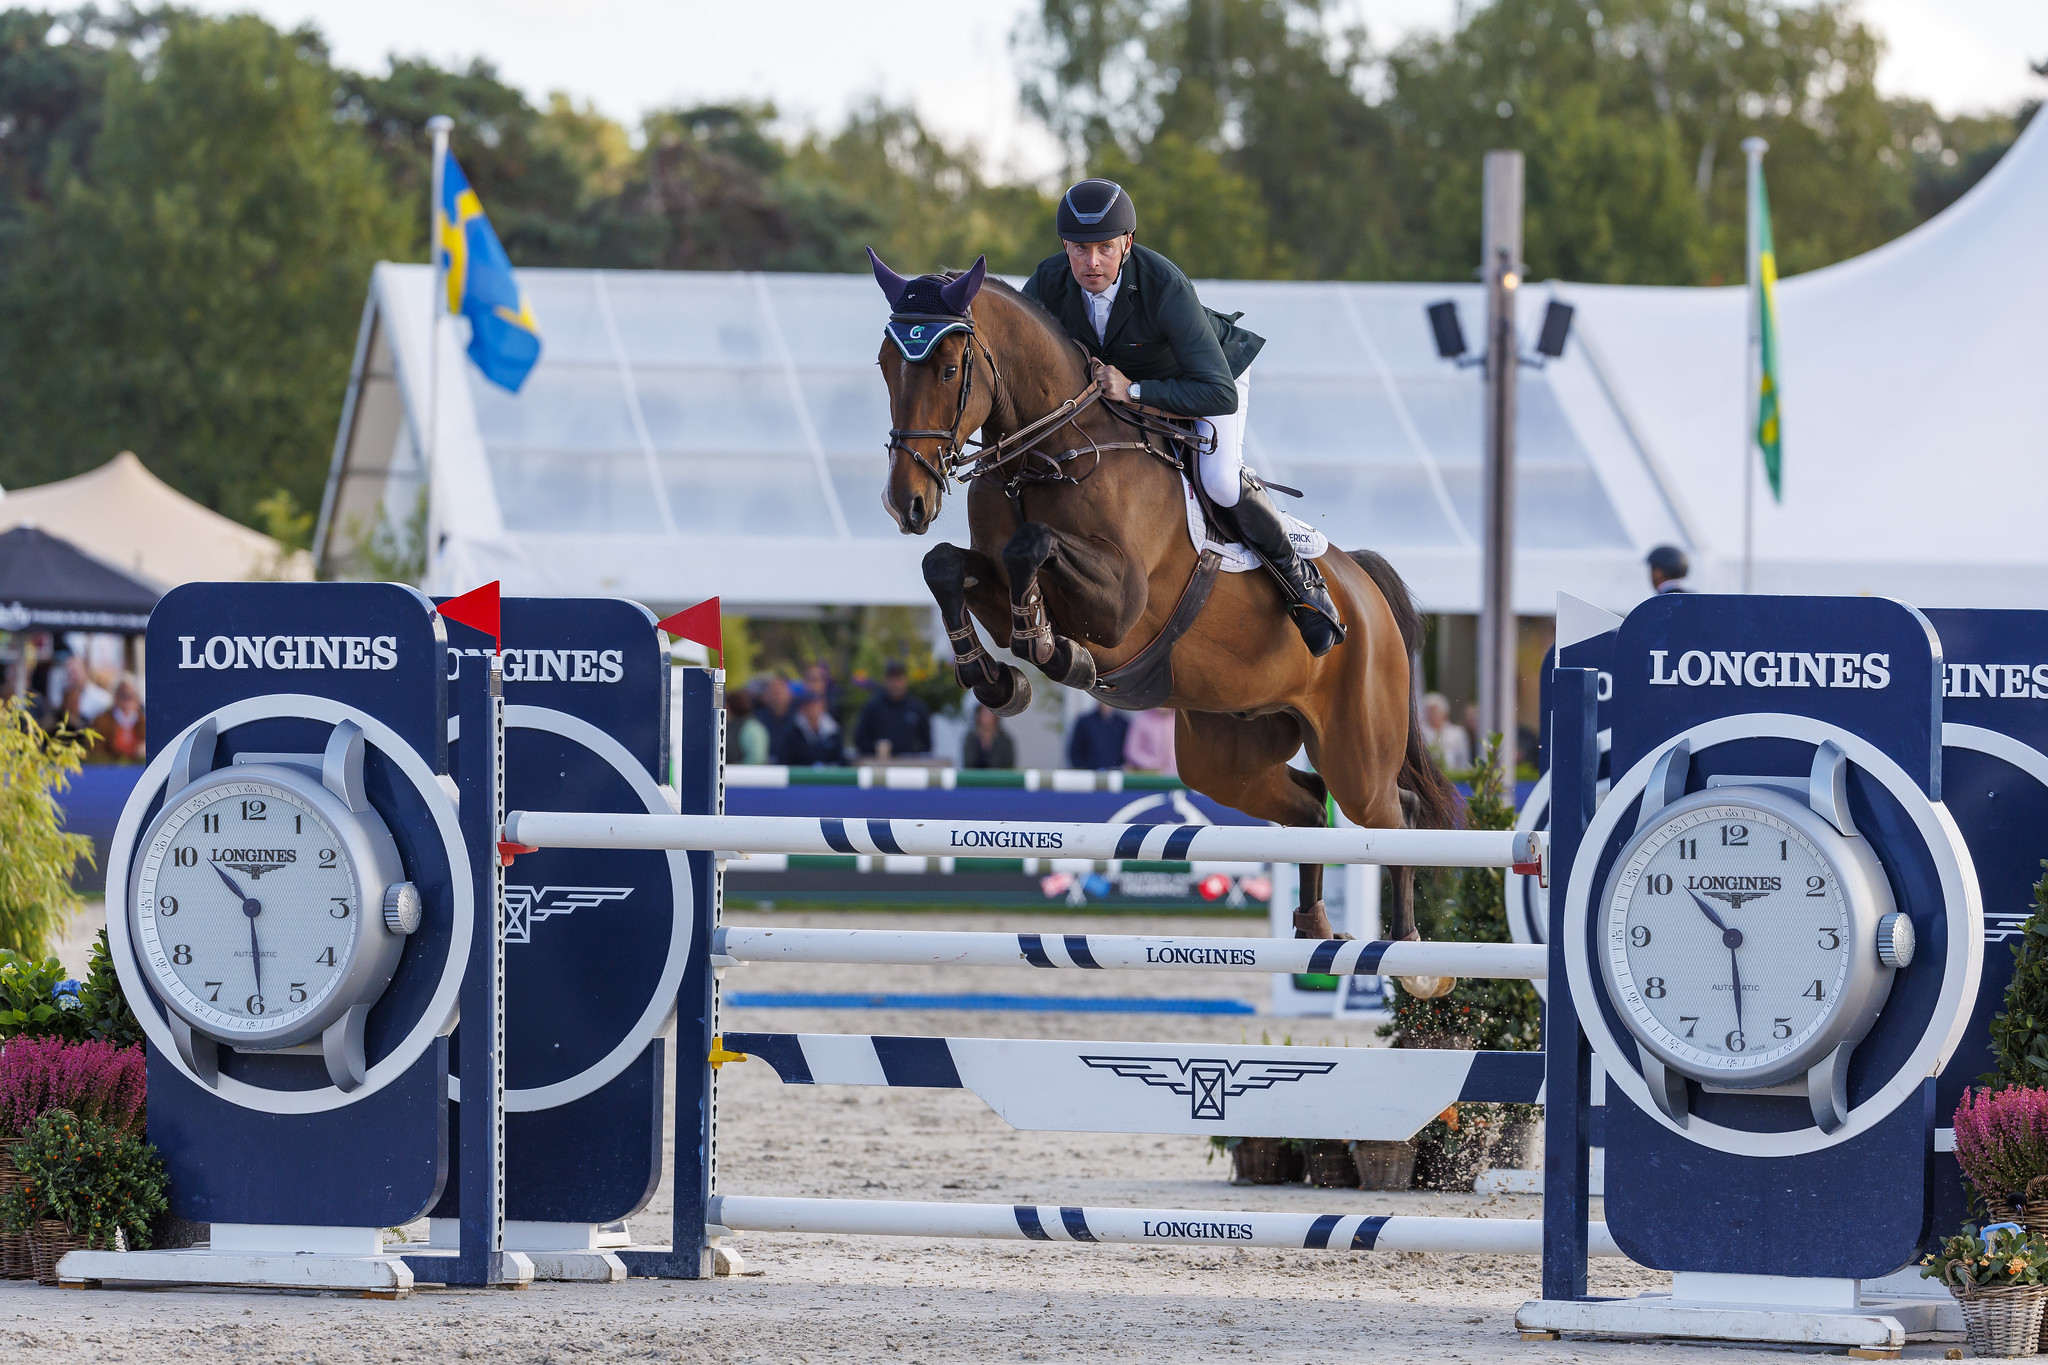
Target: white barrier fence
1142 1227
1524 851
1130 952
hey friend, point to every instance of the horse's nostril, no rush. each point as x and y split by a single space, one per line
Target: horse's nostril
917 510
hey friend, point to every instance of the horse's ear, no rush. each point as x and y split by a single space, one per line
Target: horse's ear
958 293
892 283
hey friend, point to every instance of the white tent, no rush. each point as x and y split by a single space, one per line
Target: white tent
691 434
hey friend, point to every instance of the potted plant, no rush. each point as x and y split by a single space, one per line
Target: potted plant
2002 1146
95 1080
1996 1277
1261 1161
83 1184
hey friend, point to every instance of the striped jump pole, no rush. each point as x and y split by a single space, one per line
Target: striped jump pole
1140 1227
1523 851
1130 952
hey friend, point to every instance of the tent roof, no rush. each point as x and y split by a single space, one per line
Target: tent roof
48 583
128 516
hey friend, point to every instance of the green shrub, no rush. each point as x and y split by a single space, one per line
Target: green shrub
2019 1032
36 855
88 1176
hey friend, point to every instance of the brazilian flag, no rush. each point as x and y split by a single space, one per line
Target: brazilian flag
1768 431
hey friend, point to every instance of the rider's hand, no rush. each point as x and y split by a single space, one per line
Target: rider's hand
1113 382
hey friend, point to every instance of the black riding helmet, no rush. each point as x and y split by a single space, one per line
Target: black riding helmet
1669 560
1095 211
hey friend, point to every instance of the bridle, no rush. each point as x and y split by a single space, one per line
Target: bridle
958 464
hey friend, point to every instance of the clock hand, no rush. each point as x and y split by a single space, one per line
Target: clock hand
252 908
1733 938
240 894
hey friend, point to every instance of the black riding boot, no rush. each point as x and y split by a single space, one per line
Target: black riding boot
1261 526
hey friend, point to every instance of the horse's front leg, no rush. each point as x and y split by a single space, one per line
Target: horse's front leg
1032 635
950 572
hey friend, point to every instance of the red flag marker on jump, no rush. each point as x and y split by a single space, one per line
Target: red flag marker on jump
699 624
477 609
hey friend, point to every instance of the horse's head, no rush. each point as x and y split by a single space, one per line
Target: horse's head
936 398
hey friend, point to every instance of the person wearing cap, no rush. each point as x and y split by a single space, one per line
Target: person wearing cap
894 723
1152 342
1668 568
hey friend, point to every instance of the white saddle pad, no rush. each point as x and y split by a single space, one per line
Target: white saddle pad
1309 543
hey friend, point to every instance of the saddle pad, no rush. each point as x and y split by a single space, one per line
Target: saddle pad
1309 543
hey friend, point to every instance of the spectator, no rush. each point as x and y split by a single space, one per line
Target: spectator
120 726
893 723
1668 570
746 738
1149 746
1098 739
988 744
813 738
1451 745
75 699
776 711
818 678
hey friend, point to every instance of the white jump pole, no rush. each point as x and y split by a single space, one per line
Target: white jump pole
1523 850
1143 1227
1131 952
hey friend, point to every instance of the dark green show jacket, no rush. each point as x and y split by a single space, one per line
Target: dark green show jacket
1188 357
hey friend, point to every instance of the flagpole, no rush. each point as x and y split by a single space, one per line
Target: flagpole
1752 367
439 126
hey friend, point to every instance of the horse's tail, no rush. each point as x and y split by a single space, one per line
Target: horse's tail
1436 800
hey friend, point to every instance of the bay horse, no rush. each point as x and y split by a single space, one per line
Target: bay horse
1081 555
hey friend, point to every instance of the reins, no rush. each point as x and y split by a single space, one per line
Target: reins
1023 446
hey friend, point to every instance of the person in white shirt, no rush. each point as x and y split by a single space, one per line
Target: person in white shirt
1451 745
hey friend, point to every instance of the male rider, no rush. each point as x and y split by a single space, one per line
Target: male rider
1154 343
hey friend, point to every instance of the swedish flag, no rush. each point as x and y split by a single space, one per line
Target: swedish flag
504 339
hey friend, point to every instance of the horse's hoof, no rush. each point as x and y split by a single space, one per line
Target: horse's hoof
1428 987
1077 670
1017 699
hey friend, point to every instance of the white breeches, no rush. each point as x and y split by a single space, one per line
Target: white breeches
1221 467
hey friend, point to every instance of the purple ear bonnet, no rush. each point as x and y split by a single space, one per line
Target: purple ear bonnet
960 293
892 283
927 309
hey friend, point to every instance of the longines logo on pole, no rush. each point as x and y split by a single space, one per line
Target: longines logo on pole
524 905
1208 1082
1769 668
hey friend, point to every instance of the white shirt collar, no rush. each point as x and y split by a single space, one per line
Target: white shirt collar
1100 304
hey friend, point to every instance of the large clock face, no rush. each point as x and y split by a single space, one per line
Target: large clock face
1728 939
248 907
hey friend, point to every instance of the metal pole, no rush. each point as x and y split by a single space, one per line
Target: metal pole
440 126
1501 266
1752 364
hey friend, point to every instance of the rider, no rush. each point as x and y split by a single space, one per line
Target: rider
1153 343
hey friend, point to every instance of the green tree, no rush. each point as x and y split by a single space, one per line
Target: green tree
36 855
193 295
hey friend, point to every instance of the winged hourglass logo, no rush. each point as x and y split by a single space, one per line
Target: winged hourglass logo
1209 1081
526 904
1736 899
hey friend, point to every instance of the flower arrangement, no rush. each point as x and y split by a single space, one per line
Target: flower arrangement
2002 1142
98 1181
92 1080
37 1000
2000 1258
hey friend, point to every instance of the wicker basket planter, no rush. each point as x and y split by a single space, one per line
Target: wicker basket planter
49 1240
1330 1164
1386 1165
14 1258
1265 1161
2001 1322
2035 1216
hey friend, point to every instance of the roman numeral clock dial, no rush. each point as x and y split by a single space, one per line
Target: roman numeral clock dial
1748 942
269 907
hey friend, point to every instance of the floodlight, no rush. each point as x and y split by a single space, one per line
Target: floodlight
1450 337
1557 325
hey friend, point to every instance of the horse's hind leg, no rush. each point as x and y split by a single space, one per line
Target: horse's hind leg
1031 630
1243 764
949 571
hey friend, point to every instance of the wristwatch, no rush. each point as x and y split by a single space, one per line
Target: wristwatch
1134 394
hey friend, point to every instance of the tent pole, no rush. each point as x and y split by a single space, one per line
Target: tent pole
440 126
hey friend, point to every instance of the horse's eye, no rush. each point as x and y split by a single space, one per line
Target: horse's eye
950 371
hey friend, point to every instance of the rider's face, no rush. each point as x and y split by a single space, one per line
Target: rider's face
1095 264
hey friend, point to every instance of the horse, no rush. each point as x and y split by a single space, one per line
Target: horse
1081 560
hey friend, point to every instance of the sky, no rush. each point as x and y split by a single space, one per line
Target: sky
953 58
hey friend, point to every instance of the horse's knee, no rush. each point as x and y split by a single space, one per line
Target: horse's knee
1027 550
945 571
